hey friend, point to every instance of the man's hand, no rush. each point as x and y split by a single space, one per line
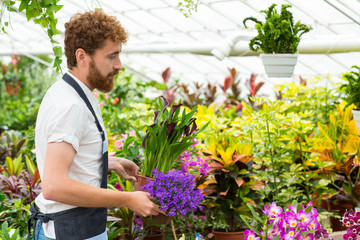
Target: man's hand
124 168
140 203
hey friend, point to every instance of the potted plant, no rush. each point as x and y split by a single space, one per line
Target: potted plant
175 193
278 38
231 187
352 91
167 138
13 82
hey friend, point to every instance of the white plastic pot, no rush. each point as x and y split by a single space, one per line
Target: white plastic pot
279 65
356 116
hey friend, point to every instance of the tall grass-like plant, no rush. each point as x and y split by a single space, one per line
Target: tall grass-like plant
168 137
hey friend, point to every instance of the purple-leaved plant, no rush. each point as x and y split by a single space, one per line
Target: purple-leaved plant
175 192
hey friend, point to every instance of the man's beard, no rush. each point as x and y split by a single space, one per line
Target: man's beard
97 80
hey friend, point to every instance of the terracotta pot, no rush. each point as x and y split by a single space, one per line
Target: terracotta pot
162 218
337 206
228 235
141 181
11 89
157 236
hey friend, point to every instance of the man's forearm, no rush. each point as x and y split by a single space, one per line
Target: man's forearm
75 193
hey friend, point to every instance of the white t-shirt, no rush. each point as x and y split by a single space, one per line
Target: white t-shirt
64 116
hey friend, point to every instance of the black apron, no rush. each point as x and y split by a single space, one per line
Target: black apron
77 223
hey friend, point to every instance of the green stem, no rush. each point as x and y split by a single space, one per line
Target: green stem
304 166
271 155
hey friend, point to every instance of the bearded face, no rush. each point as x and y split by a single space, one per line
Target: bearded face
97 80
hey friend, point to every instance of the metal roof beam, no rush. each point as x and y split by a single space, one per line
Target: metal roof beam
341 11
241 48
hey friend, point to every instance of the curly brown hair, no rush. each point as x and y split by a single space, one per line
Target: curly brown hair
89 31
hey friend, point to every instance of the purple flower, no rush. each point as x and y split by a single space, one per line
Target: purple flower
138 221
156 113
250 235
165 101
198 165
351 221
170 129
174 108
174 192
296 222
118 187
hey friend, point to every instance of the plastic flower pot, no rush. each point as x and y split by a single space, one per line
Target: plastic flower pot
356 116
228 235
279 65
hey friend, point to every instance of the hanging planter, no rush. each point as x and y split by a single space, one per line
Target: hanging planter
352 91
356 116
11 88
279 65
278 38
13 82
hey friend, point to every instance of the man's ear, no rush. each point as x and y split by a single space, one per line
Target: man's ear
81 57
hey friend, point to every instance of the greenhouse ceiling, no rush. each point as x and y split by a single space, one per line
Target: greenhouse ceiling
203 46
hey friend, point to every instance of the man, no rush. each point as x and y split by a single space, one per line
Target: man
69 146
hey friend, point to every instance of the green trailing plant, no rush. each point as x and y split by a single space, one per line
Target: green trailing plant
187 7
13 78
352 87
43 14
278 33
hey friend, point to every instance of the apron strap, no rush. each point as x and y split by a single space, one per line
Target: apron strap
67 78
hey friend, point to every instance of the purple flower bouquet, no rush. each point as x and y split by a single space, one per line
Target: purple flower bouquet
175 192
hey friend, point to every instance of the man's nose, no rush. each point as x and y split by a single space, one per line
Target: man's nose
118 64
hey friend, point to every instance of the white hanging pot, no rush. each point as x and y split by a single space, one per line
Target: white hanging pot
279 65
356 116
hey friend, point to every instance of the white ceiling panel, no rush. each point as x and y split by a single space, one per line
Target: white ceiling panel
160 36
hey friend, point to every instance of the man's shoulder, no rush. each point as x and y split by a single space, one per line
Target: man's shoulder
62 95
